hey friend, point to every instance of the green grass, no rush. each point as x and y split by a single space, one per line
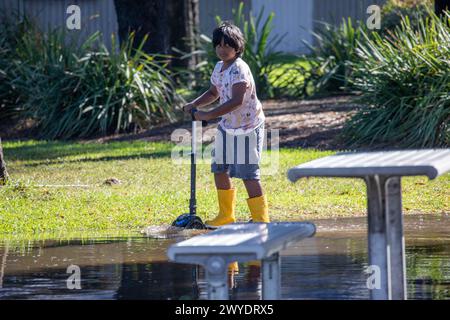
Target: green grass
155 191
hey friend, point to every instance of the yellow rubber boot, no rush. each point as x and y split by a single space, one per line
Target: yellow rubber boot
259 209
233 270
233 267
227 202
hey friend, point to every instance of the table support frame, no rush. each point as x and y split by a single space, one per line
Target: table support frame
386 245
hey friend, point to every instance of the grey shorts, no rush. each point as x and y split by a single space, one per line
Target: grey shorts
238 155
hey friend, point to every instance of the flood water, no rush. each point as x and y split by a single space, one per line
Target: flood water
330 265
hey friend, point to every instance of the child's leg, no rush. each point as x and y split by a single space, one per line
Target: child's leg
223 181
254 188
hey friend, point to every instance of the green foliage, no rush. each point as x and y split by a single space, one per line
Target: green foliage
260 55
334 54
9 99
294 77
393 11
405 83
259 51
198 78
76 90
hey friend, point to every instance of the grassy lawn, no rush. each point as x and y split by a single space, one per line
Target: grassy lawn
153 190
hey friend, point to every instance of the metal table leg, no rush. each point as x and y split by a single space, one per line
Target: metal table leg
385 233
395 240
271 277
377 236
216 276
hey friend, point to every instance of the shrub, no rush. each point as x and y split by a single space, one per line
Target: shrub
9 99
405 83
334 54
82 90
335 50
393 11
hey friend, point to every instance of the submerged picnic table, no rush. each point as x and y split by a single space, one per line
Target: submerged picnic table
382 172
241 242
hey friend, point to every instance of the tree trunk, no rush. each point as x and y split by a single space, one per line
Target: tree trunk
144 17
169 23
3 173
441 5
185 21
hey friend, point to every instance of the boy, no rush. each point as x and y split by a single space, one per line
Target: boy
241 127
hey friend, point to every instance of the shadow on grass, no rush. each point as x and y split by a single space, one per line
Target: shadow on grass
155 155
55 152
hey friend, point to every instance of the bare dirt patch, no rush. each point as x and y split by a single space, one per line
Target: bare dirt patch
303 123
307 123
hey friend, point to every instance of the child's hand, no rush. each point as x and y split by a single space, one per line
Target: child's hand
188 108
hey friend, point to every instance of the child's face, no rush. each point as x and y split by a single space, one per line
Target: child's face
225 52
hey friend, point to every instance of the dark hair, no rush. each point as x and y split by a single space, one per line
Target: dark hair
231 36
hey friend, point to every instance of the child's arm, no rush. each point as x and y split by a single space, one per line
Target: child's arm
238 93
205 99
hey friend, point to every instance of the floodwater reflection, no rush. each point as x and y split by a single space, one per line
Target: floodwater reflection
329 266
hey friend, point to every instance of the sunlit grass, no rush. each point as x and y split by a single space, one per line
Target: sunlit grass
58 188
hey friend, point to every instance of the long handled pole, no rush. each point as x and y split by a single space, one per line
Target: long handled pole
193 201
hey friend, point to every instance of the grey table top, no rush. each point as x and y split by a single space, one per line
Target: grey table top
429 162
245 238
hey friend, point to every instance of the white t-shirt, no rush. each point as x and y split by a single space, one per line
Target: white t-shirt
250 114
